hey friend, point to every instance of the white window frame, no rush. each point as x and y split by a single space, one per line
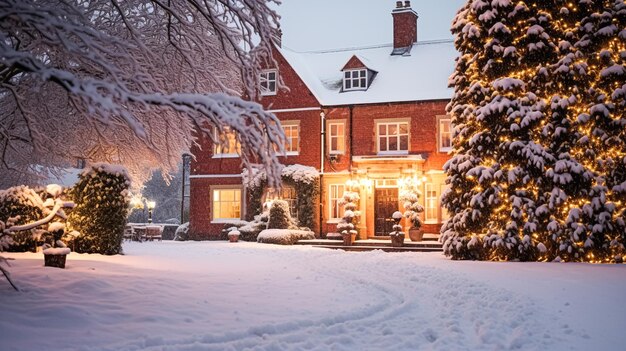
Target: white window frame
290 125
431 203
217 149
355 77
339 189
220 188
397 123
341 139
440 133
264 78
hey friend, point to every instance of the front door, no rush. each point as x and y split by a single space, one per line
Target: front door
386 203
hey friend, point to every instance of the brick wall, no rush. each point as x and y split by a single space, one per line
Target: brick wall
404 28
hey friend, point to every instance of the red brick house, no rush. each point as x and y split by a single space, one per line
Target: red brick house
372 116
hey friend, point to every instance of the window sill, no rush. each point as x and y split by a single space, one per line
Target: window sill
269 93
224 220
445 150
226 156
431 222
392 153
336 153
333 221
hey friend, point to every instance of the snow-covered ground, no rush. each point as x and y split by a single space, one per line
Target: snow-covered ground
247 296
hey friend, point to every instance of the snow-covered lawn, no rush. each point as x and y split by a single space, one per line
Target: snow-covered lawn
221 296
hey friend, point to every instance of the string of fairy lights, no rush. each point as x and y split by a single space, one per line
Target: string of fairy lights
560 72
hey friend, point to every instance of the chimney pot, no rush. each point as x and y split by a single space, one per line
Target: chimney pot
398 4
407 4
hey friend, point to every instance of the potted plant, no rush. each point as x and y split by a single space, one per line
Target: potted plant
233 235
410 199
54 249
347 226
397 235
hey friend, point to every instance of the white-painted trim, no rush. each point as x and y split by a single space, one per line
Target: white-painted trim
297 109
215 176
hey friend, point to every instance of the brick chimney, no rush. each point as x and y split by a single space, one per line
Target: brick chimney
404 28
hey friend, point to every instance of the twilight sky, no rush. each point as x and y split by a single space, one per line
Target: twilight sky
329 24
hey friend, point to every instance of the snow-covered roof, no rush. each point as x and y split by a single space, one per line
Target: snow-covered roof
423 75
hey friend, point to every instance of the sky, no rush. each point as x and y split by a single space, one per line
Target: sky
310 25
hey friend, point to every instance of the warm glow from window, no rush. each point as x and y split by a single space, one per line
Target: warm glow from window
228 146
292 144
445 135
335 193
226 204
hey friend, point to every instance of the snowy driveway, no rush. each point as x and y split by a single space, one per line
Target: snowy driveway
246 296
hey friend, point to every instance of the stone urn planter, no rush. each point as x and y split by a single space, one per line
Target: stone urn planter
397 236
416 234
55 257
233 236
397 239
348 238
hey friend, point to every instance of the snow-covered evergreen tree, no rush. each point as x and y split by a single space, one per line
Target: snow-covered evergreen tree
538 116
102 199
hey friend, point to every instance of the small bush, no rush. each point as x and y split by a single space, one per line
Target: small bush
250 231
229 225
280 217
284 236
182 232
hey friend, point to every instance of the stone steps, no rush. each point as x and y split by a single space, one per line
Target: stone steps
375 244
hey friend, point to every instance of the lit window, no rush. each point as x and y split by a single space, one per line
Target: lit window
393 137
268 82
226 204
228 144
286 193
355 79
335 193
430 210
445 135
336 138
292 134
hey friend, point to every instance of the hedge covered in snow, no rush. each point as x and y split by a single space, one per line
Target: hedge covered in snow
284 236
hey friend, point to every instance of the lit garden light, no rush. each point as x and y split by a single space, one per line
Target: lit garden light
151 205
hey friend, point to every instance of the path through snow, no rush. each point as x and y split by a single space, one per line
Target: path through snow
247 296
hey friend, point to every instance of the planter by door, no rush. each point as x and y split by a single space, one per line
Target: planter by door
54 260
397 240
416 234
348 239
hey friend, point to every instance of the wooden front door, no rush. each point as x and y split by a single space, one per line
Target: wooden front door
386 203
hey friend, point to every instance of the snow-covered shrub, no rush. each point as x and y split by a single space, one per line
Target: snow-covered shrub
351 215
250 231
102 201
412 208
25 205
279 216
284 236
182 232
5 242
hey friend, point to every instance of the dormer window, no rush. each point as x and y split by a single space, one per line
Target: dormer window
355 79
267 80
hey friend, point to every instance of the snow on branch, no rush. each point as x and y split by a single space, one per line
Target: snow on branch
109 81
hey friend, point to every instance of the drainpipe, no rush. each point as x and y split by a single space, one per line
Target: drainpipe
322 154
351 108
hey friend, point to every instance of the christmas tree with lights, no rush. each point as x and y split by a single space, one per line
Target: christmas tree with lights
539 164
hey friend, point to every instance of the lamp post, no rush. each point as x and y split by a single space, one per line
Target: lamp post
151 205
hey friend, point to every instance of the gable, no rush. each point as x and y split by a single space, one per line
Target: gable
354 63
